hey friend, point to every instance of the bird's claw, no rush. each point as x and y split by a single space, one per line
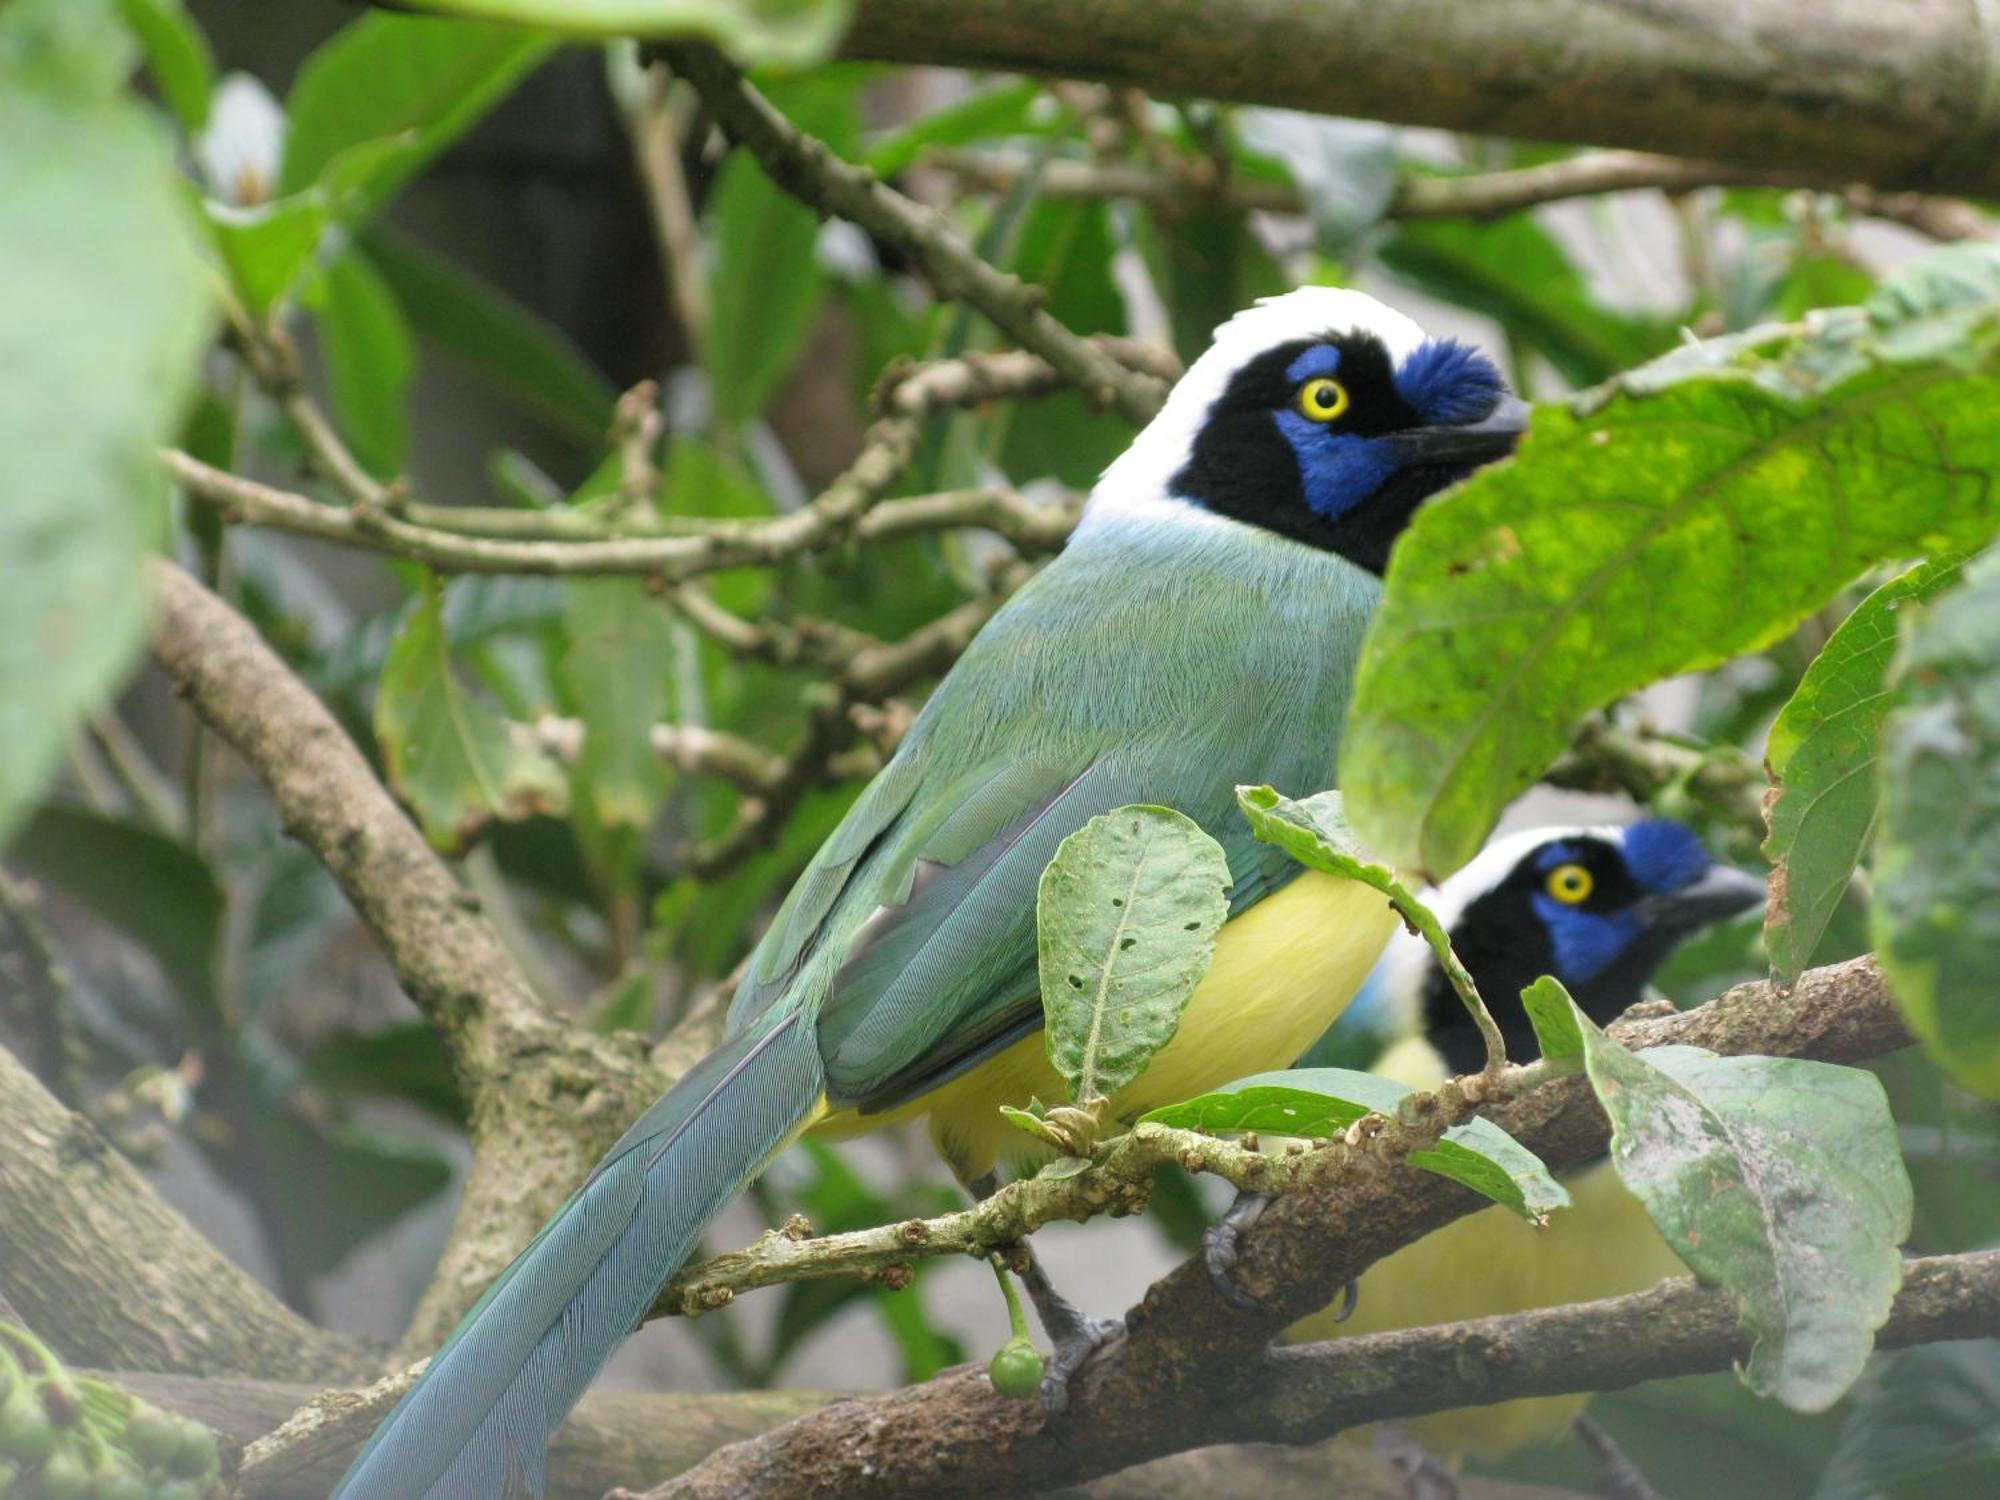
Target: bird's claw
1219 1247
1074 1345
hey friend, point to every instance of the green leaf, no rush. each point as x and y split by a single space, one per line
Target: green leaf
1776 1178
1345 170
1697 510
1822 753
793 33
766 284
344 1183
1553 1015
370 361
1926 1424
1937 869
618 669
266 247
177 53
385 76
1126 916
1515 272
1003 109
1315 1102
492 336
404 1061
449 756
104 310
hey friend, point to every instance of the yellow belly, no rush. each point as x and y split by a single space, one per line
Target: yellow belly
1491 1262
1282 972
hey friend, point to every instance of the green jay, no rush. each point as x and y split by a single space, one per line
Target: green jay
1199 631
1601 909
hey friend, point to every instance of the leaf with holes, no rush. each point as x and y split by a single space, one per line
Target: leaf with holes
1779 1179
1697 509
1126 916
1937 872
450 757
1822 754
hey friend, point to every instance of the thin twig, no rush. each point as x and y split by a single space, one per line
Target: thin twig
804 167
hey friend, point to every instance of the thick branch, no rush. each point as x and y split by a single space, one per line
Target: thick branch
546 1097
1156 1391
805 168
109 1273
1899 96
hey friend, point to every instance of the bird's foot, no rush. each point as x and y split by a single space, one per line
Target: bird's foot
1074 1344
1425 1475
1219 1247
1622 1479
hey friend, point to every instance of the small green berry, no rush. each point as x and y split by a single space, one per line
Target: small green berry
178 1489
194 1455
1017 1369
64 1477
150 1435
26 1433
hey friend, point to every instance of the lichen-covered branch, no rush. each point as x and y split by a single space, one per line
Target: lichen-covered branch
807 169
109 1273
1642 762
1155 1391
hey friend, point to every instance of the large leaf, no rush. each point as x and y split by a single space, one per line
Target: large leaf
494 337
1313 1102
618 669
1126 917
177 54
382 76
1002 109
1937 871
450 756
266 247
1777 1178
1697 510
104 309
1821 753
792 32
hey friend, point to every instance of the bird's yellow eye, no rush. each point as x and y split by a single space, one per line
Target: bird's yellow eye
1571 884
1321 399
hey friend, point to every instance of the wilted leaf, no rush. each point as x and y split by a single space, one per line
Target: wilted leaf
385 76
1698 510
104 309
1937 870
792 32
1126 917
1776 1178
1315 1102
1822 753
449 756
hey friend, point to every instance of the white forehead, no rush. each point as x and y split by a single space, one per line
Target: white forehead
1144 470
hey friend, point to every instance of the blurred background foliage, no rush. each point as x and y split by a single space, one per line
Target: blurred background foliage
476 238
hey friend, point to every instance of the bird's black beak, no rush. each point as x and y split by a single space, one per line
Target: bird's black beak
1721 892
1468 444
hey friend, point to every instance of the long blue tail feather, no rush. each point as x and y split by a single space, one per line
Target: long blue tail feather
476 1426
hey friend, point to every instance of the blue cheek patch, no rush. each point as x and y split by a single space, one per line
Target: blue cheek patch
1337 471
1321 359
1584 942
1449 383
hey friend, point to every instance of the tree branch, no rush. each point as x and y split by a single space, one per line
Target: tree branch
809 171
547 1098
1899 96
1642 762
1156 1391
111 1274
